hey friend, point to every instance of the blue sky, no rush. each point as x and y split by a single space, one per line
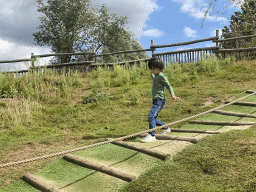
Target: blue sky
180 21
164 21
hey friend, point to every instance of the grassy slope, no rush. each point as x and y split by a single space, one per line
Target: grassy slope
222 162
68 121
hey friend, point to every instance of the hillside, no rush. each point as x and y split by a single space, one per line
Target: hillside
60 112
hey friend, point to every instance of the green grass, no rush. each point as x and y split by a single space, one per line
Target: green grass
47 113
223 162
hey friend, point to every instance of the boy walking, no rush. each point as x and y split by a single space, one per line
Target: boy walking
156 66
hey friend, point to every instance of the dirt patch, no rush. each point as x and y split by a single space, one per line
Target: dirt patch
210 101
213 100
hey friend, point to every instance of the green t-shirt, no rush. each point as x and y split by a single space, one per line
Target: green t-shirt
159 82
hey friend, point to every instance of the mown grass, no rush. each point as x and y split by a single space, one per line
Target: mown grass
222 162
46 112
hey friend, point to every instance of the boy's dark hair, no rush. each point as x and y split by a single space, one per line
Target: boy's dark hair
156 63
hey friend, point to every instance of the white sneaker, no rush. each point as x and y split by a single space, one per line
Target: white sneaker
148 138
165 131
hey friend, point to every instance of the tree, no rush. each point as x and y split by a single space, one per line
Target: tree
62 25
241 24
75 25
212 5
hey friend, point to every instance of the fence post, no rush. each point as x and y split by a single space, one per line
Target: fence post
217 35
92 59
153 49
217 43
33 61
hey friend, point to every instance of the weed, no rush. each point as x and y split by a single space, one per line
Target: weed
96 97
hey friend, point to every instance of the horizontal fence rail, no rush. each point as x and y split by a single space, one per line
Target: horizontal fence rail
184 43
15 61
235 38
120 52
63 54
236 50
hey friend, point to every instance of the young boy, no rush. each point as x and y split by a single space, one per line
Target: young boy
156 66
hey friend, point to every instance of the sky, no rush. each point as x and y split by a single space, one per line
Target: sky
164 21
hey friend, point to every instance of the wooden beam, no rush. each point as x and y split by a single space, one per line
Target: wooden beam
38 183
243 103
144 150
235 50
234 114
194 131
63 54
120 52
228 39
15 61
221 123
250 91
99 167
178 138
184 43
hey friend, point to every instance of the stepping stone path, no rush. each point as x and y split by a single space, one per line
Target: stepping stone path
109 167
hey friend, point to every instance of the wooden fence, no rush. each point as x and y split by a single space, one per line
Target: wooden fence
179 56
238 53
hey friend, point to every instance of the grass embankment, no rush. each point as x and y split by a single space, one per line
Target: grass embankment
51 113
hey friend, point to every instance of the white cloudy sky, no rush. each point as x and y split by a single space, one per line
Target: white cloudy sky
164 21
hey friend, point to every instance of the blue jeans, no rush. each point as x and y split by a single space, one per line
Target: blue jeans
158 105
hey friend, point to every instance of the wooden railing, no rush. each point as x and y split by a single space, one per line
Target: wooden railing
179 56
238 53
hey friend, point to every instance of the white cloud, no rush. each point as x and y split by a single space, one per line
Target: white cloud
197 8
153 33
137 11
11 51
190 32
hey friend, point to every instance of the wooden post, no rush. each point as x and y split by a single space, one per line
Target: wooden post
217 35
33 61
153 49
93 59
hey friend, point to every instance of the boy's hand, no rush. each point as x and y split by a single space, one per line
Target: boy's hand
174 98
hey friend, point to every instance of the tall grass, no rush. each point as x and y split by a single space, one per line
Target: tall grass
180 73
14 113
43 85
